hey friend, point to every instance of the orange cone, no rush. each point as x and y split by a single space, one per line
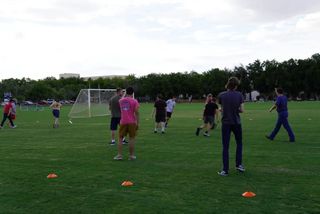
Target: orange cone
127 183
248 194
52 175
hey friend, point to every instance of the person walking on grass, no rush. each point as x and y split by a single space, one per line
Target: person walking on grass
171 103
114 108
129 122
210 115
231 102
56 107
7 109
282 109
159 113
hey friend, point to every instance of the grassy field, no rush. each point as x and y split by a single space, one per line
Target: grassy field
173 173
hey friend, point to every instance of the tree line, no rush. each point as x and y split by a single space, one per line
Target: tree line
299 78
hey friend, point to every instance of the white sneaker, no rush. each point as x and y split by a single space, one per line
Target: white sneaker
132 157
223 173
118 157
13 127
240 168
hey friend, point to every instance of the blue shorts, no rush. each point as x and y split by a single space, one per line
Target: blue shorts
56 113
115 121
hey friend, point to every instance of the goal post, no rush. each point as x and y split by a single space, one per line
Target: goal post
92 103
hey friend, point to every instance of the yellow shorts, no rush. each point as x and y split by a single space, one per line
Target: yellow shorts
130 129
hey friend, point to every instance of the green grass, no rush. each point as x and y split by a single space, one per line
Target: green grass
174 173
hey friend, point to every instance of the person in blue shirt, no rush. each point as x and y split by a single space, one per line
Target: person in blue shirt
231 102
282 109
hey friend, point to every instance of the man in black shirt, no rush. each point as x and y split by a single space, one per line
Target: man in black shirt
209 114
160 113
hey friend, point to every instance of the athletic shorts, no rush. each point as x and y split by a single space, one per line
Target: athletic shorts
130 129
115 121
56 113
209 119
169 114
160 118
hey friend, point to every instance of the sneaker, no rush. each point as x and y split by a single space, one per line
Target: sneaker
223 173
13 127
162 132
118 157
206 135
1 127
268 137
291 141
155 131
197 131
240 168
112 143
124 142
132 157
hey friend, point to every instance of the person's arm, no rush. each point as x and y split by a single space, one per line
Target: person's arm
272 108
241 109
137 116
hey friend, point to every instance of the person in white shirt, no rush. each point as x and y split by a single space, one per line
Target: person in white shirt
171 103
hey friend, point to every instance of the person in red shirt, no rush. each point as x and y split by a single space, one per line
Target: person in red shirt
6 112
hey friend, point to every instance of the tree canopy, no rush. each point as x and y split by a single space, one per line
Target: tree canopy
299 78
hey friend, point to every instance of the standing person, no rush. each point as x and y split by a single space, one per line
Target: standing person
114 107
55 106
6 114
160 111
231 102
129 122
13 112
282 109
171 103
210 115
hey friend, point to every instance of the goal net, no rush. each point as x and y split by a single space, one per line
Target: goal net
92 103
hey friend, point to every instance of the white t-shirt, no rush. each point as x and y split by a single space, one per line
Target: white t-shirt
170 105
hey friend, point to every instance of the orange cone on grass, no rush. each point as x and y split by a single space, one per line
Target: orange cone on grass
127 183
248 194
52 175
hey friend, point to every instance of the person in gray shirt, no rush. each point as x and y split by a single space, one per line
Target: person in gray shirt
114 108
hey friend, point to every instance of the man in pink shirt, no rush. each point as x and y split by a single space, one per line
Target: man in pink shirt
129 122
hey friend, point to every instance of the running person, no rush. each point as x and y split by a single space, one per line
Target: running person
282 109
129 122
171 103
210 115
114 107
231 102
6 114
56 107
160 114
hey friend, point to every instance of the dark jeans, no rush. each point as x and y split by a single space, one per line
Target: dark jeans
5 116
282 120
226 132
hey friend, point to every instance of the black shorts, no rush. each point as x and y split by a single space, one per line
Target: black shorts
169 114
115 121
160 118
56 113
209 119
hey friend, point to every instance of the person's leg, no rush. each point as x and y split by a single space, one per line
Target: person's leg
288 128
11 122
122 133
226 131
276 129
162 124
237 131
5 116
132 136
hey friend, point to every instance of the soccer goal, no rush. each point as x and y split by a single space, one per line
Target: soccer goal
92 103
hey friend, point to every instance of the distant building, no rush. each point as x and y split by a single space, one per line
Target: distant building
69 75
105 77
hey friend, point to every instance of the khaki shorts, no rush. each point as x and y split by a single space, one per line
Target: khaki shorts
130 129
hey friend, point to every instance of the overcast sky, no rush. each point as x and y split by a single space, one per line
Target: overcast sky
41 38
